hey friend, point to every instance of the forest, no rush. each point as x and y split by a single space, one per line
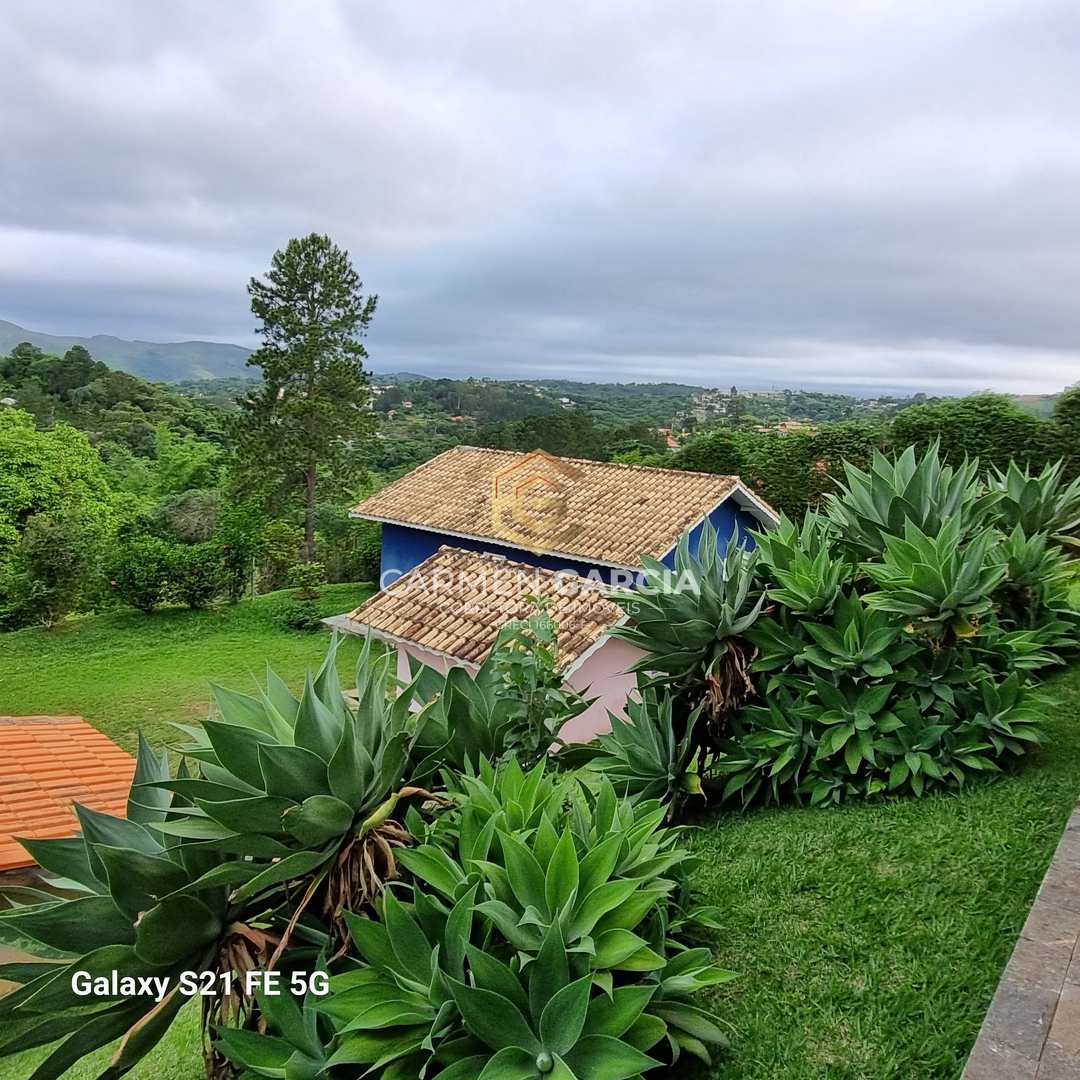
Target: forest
115 490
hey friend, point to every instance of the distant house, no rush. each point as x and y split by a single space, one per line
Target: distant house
470 536
559 513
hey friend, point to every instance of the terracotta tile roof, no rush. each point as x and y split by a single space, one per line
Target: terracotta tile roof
456 602
46 764
586 509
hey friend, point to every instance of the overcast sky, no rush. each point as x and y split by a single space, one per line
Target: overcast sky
765 193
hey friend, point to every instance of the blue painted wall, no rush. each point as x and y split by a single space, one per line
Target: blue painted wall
404 547
726 518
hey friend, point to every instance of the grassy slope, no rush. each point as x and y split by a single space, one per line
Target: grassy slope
869 938
125 671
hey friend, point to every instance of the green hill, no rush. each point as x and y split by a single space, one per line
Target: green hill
173 361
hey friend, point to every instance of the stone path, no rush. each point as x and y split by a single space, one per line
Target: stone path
1032 1031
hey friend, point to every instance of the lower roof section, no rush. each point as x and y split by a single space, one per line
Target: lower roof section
46 764
456 602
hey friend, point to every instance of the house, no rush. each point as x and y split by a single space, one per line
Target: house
47 763
449 610
587 517
469 537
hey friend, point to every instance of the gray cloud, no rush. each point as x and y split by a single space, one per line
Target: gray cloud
811 193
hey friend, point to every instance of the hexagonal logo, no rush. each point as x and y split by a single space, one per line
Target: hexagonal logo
530 503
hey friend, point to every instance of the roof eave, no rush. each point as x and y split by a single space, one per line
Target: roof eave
361 629
497 540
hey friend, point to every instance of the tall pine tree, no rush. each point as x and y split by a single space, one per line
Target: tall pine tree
315 398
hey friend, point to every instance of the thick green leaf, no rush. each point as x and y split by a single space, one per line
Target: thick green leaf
293 772
493 1019
549 973
67 857
317 728
511 1063
410 946
175 929
601 1057
563 1018
432 865
73 926
318 819
561 879
252 1050
237 749
152 802
144 1035
137 881
293 866
613 1014
254 814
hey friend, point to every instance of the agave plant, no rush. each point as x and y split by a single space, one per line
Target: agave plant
1038 579
292 1040
861 642
803 565
139 903
893 495
1036 502
582 981
937 582
771 755
643 755
311 782
692 621
779 548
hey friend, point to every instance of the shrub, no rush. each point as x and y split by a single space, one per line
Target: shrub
140 572
299 615
55 568
899 655
195 573
306 578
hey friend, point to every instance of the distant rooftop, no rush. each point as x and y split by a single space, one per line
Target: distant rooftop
589 510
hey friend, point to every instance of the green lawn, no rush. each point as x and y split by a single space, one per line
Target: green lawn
126 670
869 939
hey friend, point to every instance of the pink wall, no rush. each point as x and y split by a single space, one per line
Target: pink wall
433 660
603 676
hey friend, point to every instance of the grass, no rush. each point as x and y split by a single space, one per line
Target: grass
126 671
869 939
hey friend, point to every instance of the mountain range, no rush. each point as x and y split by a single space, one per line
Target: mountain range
173 361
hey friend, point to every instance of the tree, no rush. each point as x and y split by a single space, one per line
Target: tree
991 427
56 567
1067 428
315 397
41 471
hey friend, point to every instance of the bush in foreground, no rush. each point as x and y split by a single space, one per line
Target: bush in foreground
496 923
890 645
